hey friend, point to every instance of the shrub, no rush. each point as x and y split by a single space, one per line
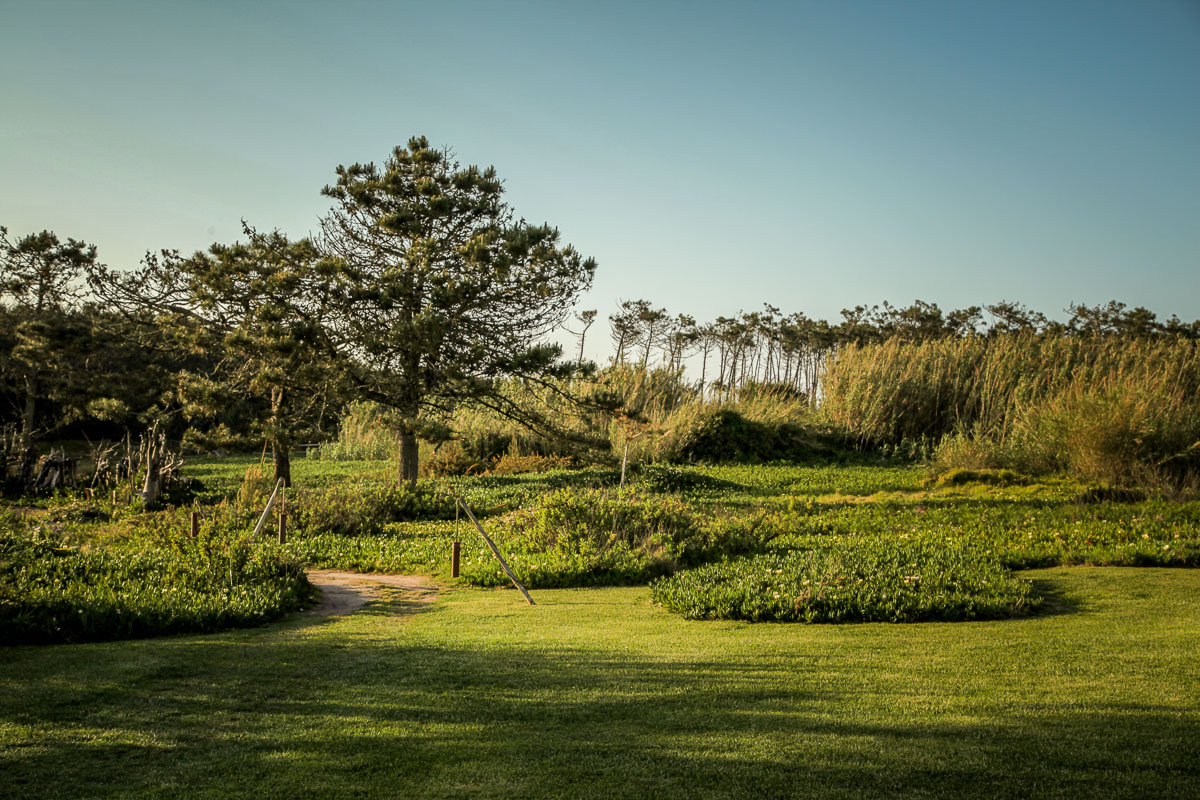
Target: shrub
879 581
725 435
576 537
365 508
452 459
53 593
994 477
661 478
512 464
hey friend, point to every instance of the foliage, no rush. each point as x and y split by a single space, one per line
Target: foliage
55 593
513 464
362 435
363 509
958 477
438 292
883 581
663 478
575 537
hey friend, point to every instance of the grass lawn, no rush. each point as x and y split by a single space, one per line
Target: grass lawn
596 693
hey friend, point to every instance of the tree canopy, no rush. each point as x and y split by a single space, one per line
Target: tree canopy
438 291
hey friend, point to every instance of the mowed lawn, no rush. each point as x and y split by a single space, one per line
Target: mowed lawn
597 693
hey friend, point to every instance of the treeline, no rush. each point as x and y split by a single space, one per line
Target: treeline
422 291
769 347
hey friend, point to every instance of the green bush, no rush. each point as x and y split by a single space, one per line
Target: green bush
724 435
579 537
878 581
661 478
365 508
52 593
994 477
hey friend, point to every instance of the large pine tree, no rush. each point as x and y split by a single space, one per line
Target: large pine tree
440 291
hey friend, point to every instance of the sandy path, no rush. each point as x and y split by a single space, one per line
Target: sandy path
346 592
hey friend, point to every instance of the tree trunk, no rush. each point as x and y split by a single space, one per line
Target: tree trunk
279 444
283 462
408 459
155 449
28 451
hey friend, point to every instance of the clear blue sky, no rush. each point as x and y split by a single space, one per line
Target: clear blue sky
712 157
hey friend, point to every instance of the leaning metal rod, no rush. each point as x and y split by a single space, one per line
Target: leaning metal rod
495 550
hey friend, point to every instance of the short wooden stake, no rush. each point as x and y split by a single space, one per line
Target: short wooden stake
454 553
114 497
283 528
195 524
87 493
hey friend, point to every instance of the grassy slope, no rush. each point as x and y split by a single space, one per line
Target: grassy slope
595 693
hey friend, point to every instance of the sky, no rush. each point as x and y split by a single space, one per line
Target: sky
712 157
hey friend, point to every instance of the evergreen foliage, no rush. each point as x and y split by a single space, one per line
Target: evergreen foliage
439 292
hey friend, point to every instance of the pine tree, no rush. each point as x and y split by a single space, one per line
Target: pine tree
440 292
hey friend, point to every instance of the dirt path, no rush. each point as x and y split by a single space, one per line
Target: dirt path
346 592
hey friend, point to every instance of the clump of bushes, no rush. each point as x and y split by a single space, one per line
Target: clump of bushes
365 508
871 581
1109 494
663 478
960 477
724 435
578 537
53 593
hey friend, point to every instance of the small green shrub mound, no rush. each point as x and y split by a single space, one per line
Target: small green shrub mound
50 593
1109 494
662 478
879 581
365 508
724 435
581 537
994 477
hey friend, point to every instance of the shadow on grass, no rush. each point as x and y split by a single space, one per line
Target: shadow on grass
370 716
1055 600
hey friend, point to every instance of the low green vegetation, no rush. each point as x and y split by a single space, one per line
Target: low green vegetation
784 543
52 592
884 581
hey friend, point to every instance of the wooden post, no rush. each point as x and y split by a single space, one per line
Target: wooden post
282 527
454 553
195 524
87 493
114 498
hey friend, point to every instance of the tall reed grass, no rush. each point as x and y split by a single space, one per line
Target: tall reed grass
1107 409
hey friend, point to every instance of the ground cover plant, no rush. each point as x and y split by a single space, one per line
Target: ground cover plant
576 528
886 581
51 591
